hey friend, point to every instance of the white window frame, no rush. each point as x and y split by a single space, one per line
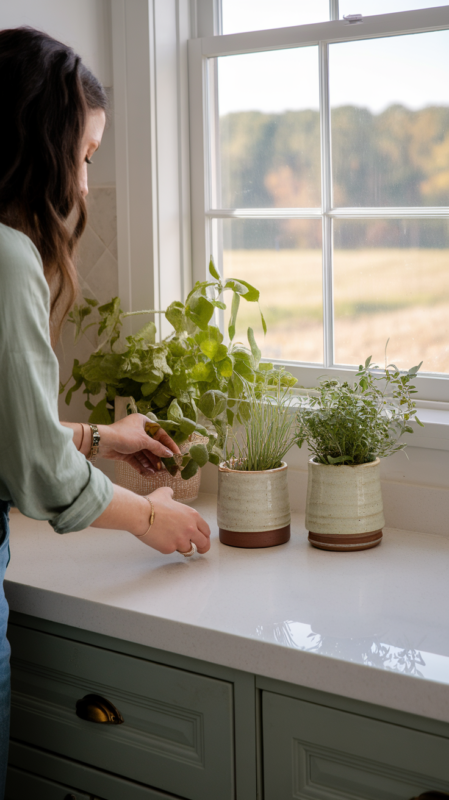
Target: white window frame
431 387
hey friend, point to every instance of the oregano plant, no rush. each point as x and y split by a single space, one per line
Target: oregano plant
357 423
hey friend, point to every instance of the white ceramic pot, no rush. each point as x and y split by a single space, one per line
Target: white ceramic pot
253 507
344 509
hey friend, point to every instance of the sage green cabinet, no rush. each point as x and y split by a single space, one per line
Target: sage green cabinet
310 751
178 730
39 775
197 731
24 785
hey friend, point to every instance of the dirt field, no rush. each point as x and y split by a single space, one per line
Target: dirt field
398 294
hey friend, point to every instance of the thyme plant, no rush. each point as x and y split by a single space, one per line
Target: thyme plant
356 424
268 423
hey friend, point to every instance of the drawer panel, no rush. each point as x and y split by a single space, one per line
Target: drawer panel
313 752
47 769
177 733
21 785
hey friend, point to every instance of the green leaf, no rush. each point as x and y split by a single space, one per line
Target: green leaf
199 454
252 295
199 309
264 324
187 426
190 470
254 349
174 412
202 372
213 270
147 333
225 367
212 403
154 379
233 317
221 353
101 415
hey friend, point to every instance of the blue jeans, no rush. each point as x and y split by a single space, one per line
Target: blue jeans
5 690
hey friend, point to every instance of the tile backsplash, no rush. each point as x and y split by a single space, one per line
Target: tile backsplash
98 272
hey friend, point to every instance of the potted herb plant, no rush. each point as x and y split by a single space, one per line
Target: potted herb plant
253 503
176 382
348 429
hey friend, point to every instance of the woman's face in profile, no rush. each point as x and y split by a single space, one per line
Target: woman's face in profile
93 132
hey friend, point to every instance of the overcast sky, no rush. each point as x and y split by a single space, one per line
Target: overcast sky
412 70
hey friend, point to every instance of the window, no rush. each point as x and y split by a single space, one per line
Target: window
320 171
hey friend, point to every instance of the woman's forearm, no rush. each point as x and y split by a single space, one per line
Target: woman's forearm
126 512
82 437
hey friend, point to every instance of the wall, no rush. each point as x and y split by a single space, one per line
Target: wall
83 24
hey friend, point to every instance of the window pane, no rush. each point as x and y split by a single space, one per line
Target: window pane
283 260
391 281
372 7
269 130
390 121
258 15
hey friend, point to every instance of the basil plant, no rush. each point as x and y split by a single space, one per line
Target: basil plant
171 381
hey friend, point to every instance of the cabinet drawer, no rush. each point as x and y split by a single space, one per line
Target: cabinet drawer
177 733
21 785
46 769
311 751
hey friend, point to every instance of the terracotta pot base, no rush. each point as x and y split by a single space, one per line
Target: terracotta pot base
336 541
256 539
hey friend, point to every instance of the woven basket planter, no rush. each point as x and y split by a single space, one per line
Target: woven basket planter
129 478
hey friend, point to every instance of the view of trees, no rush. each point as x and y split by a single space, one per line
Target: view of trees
399 157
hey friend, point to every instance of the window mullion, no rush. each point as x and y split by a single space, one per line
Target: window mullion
334 11
326 200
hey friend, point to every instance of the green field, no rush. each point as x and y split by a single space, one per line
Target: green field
397 293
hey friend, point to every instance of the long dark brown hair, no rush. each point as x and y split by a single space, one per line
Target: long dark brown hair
46 93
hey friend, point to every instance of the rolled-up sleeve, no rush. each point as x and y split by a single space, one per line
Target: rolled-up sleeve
41 471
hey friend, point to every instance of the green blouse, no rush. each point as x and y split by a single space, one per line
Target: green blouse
41 471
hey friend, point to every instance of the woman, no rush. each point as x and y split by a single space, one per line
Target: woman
53 117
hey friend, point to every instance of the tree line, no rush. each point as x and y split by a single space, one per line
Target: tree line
398 157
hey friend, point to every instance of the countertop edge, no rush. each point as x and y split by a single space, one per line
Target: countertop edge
419 696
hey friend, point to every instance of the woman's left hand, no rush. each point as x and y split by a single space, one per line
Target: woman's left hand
126 440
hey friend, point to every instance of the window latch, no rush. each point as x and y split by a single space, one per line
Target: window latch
353 19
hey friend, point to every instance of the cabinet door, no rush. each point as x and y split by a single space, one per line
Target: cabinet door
177 733
21 785
316 753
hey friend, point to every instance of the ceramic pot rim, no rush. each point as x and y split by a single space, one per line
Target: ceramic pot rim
223 468
350 466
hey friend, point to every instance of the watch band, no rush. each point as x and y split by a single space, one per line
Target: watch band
95 444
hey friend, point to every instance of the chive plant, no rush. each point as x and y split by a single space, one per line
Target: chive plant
268 424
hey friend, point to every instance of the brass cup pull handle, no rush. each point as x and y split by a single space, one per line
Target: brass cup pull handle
431 796
95 708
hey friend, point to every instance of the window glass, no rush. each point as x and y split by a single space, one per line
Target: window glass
283 260
257 15
269 130
391 281
390 121
372 7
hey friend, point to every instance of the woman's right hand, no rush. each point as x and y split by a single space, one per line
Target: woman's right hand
175 525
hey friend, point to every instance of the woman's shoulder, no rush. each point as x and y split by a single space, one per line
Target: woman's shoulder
19 258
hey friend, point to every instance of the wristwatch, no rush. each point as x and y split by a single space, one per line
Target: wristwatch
95 444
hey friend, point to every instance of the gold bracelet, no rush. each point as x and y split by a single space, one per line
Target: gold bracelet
141 535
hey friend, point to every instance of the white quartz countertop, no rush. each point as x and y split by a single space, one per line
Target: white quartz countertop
370 625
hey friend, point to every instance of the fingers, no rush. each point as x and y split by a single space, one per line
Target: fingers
163 437
159 449
203 526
